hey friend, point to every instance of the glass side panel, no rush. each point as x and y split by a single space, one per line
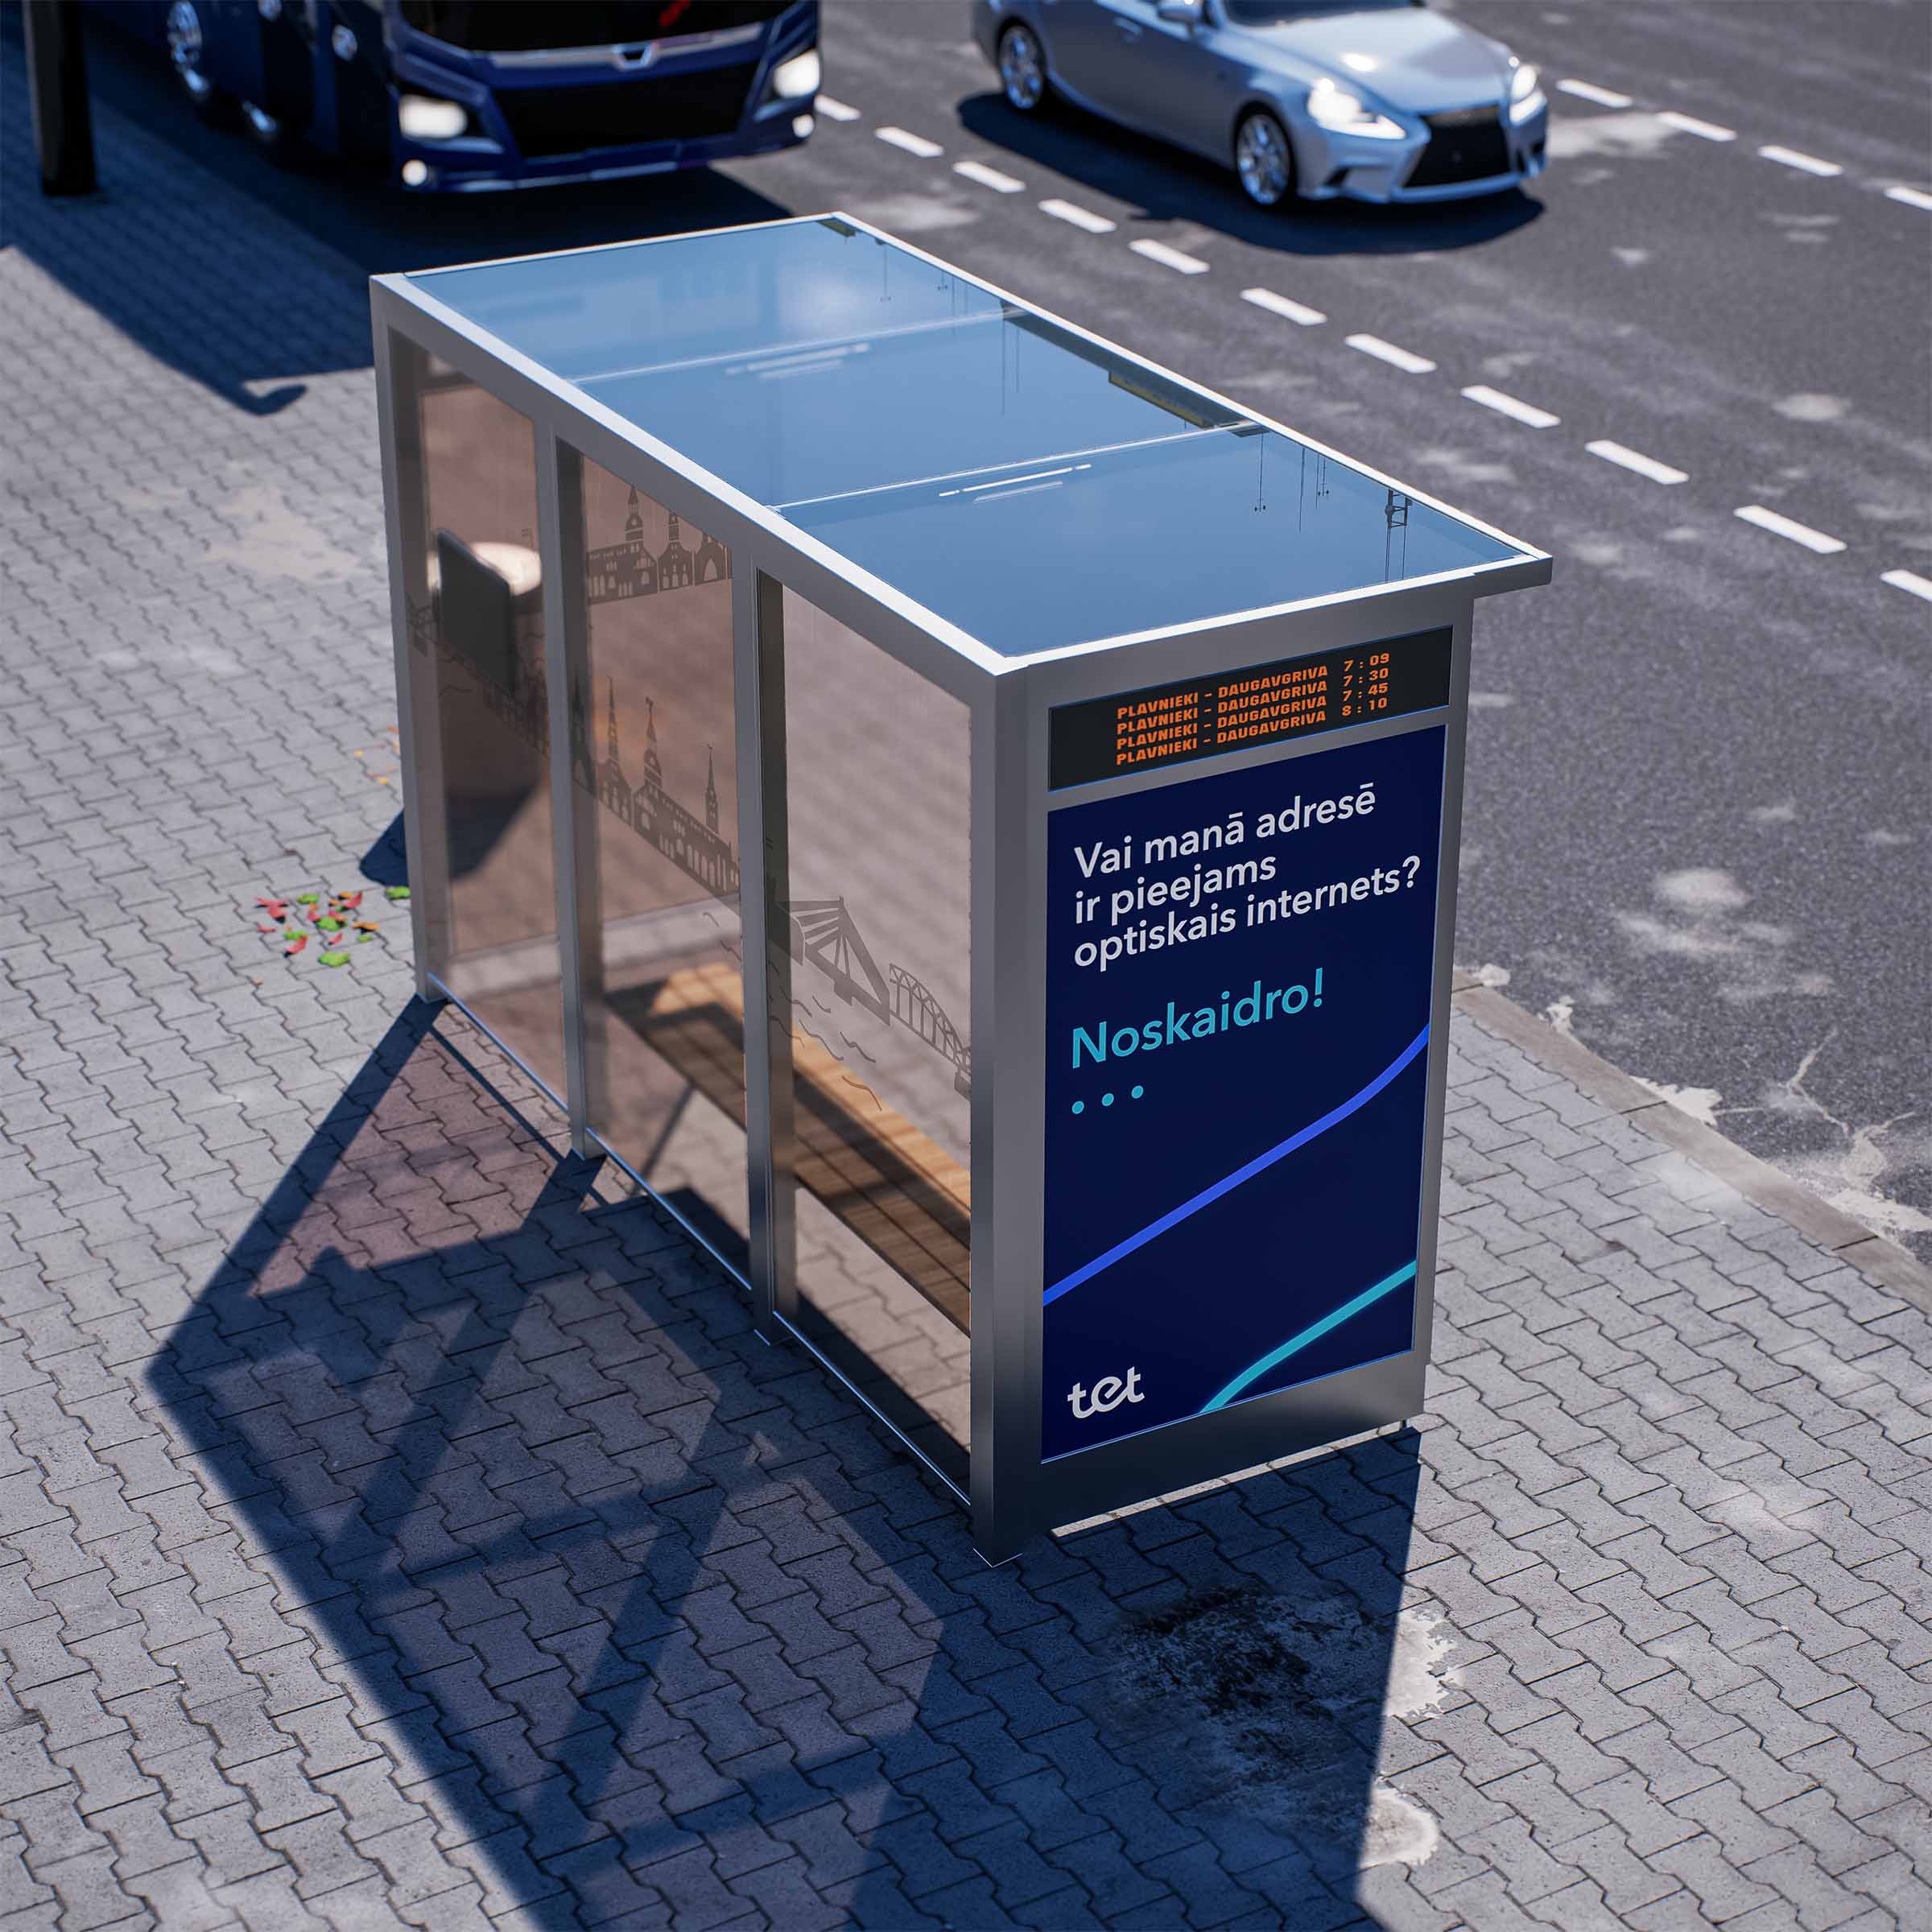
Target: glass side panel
478 616
653 745
872 991
1032 488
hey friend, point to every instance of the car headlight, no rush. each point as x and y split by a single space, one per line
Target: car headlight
798 76
423 118
1526 96
1345 114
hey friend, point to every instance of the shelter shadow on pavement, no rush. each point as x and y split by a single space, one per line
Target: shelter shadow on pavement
651 1619
243 325
1169 183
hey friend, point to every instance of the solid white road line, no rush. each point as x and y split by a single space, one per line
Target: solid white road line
1387 352
1170 257
1630 459
836 110
1783 527
1280 305
1080 217
1688 124
1602 95
1809 164
1508 405
1911 580
913 144
988 177
1912 197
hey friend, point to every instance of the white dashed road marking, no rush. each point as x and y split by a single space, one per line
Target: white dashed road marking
1170 257
1080 217
1911 580
1689 124
1809 164
913 144
1403 359
1508 405
988 177
1602 95
1783 527
836 110
1633 459
1912 197
1280 305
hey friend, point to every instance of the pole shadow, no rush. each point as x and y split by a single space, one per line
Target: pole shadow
671 1628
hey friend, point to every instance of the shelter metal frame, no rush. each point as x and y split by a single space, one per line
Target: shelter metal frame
1011 1495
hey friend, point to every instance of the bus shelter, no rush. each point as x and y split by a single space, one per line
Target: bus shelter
965 817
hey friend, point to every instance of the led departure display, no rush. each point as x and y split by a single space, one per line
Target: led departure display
1259 704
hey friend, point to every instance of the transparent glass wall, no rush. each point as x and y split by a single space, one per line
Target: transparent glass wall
872 988
475 588
654 758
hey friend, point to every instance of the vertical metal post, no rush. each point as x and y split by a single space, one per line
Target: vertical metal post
1009 993
1448 878
56 66
764 896
400 368
573 806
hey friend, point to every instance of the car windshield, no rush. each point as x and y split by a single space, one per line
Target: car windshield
1272 13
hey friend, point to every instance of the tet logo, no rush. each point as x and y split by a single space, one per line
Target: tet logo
1109 1392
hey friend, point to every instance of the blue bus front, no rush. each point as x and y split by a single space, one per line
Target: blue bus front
456 94
491 93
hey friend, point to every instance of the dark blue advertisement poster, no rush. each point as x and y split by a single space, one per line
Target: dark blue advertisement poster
1237 1011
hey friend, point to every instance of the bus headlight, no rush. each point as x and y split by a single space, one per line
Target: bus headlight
423 117
792 79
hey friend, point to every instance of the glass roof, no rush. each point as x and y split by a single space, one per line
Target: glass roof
1030 487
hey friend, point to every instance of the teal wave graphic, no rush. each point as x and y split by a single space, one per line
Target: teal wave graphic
1313 1332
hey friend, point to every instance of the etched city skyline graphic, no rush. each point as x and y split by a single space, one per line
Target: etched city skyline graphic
614 571
507 673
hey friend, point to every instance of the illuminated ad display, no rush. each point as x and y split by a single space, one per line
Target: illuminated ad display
1238 992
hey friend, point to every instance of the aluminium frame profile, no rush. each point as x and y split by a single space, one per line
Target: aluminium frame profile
1011 1493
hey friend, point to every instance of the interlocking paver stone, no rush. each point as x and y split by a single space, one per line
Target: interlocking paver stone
403 1525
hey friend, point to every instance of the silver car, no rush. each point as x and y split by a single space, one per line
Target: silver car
1377 99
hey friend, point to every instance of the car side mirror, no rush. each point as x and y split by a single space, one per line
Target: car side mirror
1183 13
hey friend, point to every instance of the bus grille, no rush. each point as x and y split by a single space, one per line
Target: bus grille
545 121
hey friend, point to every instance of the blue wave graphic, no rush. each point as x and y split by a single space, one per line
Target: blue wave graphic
1209 1195
1313 1333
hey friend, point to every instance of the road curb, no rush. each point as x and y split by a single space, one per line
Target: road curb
1881 1261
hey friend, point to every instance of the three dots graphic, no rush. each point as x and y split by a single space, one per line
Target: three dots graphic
1107 1099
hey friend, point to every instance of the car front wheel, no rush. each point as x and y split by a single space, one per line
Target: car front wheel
1263 159
1022 68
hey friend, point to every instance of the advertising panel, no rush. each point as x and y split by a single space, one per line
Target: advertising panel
1238 1012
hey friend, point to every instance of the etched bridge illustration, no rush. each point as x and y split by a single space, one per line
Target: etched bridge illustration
510 682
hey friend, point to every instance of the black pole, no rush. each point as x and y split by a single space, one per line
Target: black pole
56 63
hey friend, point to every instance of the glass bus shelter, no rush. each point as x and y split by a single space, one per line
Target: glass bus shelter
1060 765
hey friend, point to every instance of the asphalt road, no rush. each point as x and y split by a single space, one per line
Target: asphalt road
1700 762
1700 766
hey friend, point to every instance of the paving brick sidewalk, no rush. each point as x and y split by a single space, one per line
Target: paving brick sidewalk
398 1525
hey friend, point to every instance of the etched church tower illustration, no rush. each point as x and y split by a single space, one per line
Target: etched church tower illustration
711 791
654 766
675 566
611 786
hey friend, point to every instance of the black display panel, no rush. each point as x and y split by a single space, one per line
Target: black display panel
1258 704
